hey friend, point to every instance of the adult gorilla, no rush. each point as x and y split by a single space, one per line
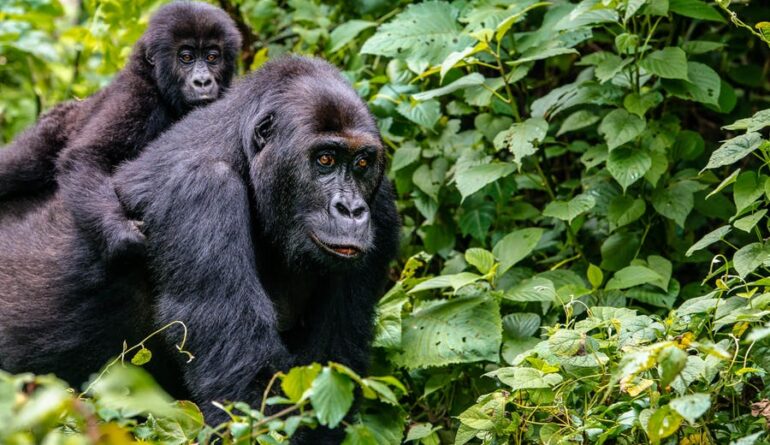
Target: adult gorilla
186 58
269 230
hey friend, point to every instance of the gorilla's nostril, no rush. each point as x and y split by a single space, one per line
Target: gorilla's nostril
358 212
342 209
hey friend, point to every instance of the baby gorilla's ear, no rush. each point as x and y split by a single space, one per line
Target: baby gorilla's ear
262 132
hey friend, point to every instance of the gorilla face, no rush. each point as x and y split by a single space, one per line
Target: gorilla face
318 167
344 171
197 70
192 54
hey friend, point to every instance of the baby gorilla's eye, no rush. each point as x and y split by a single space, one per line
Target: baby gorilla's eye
186 57
362 163
326 160
212 57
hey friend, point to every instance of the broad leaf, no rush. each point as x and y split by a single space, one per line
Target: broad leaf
749 257
692 406
331 397
735 149
461 330
628 165
625 210
474 178
667 63
521 138
346 32
631 276
463 82
709 239
425 114
516 246
619 127
577 120
696 9
567 211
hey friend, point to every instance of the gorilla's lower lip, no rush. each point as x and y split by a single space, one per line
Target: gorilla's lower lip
341 250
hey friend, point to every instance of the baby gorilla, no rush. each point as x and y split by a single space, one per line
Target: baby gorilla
186 58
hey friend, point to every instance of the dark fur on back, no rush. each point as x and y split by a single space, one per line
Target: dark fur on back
78 144
226 253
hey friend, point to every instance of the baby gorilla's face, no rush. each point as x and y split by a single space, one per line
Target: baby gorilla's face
198 69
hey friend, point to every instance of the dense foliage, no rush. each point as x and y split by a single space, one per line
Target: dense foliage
583 189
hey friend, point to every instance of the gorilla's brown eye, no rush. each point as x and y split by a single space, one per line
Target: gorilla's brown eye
186 57
211 57
362 163
326 160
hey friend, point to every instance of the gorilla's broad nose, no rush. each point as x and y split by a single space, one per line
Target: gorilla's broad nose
203 82
351 208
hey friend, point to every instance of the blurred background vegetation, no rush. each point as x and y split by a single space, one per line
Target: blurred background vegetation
583 188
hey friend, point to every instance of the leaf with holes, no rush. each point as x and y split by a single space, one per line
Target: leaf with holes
521 138
442 332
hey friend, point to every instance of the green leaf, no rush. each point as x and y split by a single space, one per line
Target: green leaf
624 210
516 246
425 33
472 179
749 257
521 324
631 276
476 222
692 406
481 259
628 165
461 330
619 126
420 431
671 361
566 342
751 439
388 323
747 189
298 380
595 276
695 9
586 13
696 47
747 223
425 114
461 83
639 104
181 428
455 281
758 121
521 138
535 289
663 423
404 156
577 120
709 239
675 201
667 63
567 211
331 396
735 149
518 378
141 357
704 83
618 250
346 32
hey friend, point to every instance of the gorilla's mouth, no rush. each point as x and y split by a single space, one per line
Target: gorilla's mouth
340 250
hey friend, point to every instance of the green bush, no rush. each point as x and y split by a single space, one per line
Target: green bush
583 191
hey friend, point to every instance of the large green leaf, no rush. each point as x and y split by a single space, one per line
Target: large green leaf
424 34
469 80
667 63
696 9
461 330
521 138
692 406
627 165
298 380
758 121
631 276
516 246
535 289
625 210
346 32
518 378
331 396
747 189
675 201
425 114
567 211
749 257
735 149
472 179
577 120
619 127
708 239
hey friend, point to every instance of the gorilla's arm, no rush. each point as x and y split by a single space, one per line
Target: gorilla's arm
85 166
27 163
203 261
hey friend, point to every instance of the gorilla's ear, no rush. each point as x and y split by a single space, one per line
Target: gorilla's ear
262 132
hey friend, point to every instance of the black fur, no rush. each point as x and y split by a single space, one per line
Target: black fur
79 143
228 212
